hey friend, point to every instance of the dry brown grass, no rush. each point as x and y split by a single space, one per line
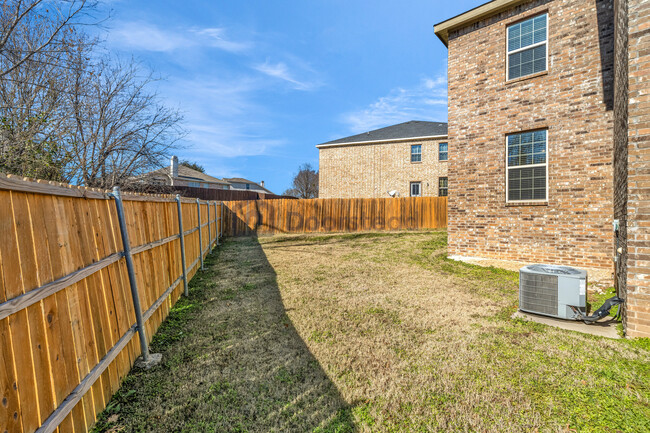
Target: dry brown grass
374 332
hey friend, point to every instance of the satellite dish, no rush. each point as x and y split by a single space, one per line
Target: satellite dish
393 193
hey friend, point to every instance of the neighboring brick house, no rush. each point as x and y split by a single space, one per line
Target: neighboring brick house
408 159
533 125
241 184
180 175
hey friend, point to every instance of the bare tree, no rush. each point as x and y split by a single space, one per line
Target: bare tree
37 43
305 183
52 18
69 113
121 129
34 110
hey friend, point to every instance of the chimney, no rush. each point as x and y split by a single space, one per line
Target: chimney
174 168
262 183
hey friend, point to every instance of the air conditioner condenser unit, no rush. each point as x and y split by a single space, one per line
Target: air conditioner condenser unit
553 290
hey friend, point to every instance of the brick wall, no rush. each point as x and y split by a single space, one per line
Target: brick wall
371 170
638 176
573 101
620 140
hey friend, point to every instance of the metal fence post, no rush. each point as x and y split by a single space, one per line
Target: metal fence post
220 221
182 238
198 212
209 230
148 360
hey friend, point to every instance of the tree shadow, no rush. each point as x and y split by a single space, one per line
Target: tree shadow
232 360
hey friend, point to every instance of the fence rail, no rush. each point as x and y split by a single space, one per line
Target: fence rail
334 215
67 313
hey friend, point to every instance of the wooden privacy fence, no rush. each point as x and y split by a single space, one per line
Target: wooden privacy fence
334 215
68 307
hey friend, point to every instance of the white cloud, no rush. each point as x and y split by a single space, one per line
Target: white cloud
281 71
149 37
223 121
217 38
425 101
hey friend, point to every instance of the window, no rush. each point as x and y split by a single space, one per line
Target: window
442 187
248 186
415 189
442 152
194 184
527 50
205 185
527 166
416 153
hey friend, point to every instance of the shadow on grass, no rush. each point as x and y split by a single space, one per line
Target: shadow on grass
232 361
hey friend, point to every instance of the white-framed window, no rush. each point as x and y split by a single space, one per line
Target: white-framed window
416 189
416 153
442 187
442 151
527 166
527 47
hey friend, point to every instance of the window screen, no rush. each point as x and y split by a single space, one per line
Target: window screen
442 187
416 153
442 152
527 47
527 169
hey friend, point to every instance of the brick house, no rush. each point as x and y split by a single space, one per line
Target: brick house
533 119
408 159
241 184
180 175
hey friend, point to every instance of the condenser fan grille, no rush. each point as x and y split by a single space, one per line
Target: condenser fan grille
554 269
538 293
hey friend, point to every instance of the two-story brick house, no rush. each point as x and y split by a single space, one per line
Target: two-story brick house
407 159
531 112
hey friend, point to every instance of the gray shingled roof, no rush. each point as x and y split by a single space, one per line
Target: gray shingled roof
411 129
187 173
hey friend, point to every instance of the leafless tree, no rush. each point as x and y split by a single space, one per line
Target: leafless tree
18 19
37 42
305 183
69 112
121 128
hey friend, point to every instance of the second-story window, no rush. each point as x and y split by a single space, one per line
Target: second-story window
416 153
527 47
442 152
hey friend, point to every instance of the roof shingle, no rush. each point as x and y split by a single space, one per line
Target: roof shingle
411 129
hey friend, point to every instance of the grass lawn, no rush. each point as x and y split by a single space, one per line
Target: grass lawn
372 332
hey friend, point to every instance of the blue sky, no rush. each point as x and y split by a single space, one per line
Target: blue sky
261 83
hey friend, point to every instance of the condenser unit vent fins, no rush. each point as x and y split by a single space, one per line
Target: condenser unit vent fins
538 293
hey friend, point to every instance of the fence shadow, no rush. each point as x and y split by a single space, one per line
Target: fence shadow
232 360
